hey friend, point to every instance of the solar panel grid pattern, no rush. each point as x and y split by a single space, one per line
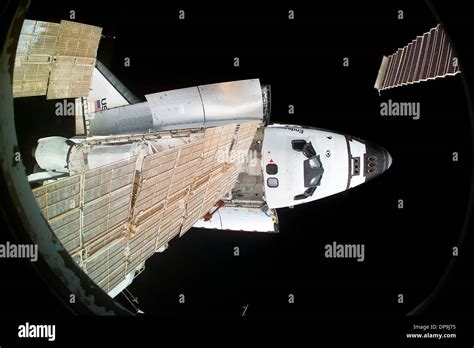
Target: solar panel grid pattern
113 218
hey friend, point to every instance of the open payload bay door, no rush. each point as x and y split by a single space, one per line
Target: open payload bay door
249 219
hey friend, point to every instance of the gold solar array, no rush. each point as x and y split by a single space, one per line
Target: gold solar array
111 219
56 60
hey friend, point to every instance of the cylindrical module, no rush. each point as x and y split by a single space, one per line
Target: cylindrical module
194 107
51 154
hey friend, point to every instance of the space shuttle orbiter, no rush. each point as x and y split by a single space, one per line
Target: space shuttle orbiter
139 173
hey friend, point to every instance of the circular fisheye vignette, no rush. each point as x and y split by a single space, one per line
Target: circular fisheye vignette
424 305
20 211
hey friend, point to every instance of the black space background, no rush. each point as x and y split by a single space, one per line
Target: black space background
406 250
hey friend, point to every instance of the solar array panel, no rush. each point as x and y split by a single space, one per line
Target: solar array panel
56 60
111 219
428 57
59 203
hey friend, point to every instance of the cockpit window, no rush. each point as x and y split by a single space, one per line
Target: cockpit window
298 144
308 150
303 146
314 181
314 163
312 167
307 193
313 171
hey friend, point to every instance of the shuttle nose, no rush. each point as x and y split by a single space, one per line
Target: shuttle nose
377 161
